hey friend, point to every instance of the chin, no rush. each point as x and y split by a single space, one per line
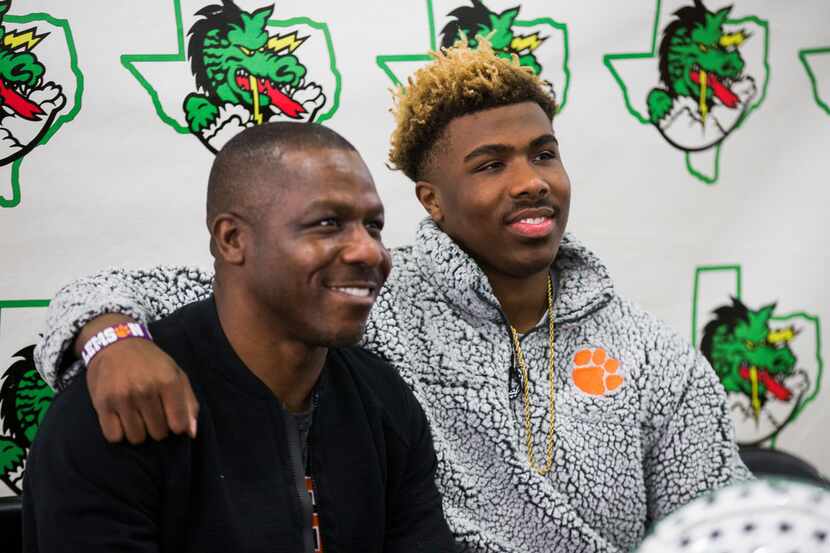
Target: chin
532 262
344 336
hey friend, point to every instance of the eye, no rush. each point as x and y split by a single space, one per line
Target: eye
702 47
489 167
375 224
546 155
749 345
246 51
375 227
328 223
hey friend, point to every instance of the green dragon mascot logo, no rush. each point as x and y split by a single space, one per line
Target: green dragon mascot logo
40 88
712 73
29 102
539 42
706 92
24 399
472 22
246 76
756 365
247 68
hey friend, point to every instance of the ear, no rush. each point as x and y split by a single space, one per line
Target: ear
229 238
430 198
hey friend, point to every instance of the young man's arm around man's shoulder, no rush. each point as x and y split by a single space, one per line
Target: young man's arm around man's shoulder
142 295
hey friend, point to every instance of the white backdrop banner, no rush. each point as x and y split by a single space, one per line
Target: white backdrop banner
696 135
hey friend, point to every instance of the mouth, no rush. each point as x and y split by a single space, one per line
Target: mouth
532 222
278 93
721 86
14 98
362 293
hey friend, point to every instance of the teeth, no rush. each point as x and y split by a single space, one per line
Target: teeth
533 220
357 292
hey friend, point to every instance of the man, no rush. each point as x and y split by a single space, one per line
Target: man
564 418
301 438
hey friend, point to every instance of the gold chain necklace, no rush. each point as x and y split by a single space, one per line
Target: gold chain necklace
551 377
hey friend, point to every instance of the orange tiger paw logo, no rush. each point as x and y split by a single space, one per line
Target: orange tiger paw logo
121 331
595 373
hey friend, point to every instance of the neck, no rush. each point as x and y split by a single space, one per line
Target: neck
289 367
523 299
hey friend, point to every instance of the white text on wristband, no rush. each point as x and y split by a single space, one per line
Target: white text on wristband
112 334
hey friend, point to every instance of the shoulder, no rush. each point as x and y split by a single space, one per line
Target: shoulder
670 361
370 369
644 326
174 333
380 382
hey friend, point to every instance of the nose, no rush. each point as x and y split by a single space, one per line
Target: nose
529 184
362 248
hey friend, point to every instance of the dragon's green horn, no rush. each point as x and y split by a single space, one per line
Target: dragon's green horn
722 14
260 16
766 312
4 6
509 15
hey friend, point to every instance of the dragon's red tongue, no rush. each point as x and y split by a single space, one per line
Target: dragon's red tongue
729 98
22 106
288 106
775 388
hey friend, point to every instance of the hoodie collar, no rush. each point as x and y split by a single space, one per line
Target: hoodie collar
583 281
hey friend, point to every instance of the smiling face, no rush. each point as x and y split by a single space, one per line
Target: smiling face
316 261
496 185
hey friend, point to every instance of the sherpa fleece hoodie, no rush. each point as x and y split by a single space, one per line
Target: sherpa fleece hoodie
640 418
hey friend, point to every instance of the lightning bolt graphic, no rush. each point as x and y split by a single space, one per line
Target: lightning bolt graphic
27 39
527 42
782 335
287 42
733 39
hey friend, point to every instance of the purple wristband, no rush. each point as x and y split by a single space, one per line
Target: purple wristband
110 335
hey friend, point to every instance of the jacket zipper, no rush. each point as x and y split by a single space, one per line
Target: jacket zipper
298 475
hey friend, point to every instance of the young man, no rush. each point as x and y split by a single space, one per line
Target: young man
301 437
564 418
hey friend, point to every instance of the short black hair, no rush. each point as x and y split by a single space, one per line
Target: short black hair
236 175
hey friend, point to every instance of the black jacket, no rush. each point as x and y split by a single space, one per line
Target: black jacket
235 487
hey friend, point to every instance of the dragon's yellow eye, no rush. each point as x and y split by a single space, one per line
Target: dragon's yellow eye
749 345
246 51
703 47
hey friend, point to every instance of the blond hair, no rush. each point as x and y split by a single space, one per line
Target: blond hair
459 81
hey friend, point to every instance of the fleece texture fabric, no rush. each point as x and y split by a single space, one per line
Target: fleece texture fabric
641 425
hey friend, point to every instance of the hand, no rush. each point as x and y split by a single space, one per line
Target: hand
137 389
